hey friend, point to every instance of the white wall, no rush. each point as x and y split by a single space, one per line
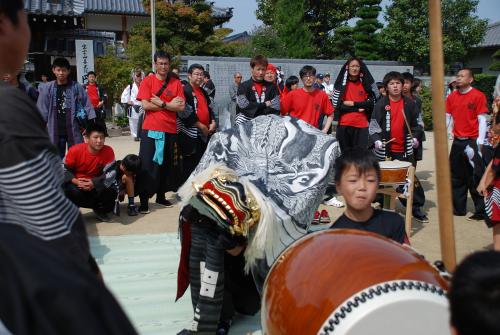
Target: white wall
111 22
483 60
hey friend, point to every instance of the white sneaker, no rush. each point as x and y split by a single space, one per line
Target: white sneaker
334 202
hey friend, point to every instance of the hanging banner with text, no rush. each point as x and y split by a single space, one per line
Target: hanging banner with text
84 50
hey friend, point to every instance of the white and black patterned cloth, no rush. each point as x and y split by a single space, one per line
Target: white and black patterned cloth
289 162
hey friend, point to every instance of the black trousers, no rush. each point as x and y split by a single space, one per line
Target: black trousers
418 190
350 137
101 201
190 162
154 178
465 178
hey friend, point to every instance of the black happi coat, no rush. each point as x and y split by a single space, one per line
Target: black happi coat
249 107
188 134
380 127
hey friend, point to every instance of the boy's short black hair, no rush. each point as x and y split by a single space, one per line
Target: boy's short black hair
162 54
308 69
292 80
408 76
193 67
393 75
61 62
91 72
11 9
94 127
258 60
475 294
132 163
380 85
362 159
206 74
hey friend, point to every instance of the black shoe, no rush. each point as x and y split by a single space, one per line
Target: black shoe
102 216
164 202
132 210
420 216
476 217
223 327
144 209
459 214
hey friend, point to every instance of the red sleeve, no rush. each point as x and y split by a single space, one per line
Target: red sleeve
144 89
180 90
109 155
448 104
482 106
327 105
285 104
71 157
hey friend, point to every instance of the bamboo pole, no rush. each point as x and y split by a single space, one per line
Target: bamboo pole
153 33
443 180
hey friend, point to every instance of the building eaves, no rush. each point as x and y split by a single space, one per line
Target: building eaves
118 7
492 36
54 7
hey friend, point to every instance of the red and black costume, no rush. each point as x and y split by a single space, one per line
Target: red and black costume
251 100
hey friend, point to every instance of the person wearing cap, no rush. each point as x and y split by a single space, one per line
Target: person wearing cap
319 82
328 87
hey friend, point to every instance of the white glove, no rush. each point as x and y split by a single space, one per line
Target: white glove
415 143
378 145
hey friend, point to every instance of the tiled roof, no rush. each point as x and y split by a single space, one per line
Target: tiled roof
130 7
492 36
55 7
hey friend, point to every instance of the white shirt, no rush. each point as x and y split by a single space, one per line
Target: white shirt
130 95
328 88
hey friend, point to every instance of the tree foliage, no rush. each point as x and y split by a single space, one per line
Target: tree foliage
342 43
264 40
406 35
321 17
113 73
366 45
495 66
291 29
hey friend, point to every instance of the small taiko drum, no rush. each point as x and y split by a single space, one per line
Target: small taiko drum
353 282
393 172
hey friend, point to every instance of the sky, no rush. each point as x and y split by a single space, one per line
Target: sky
244 12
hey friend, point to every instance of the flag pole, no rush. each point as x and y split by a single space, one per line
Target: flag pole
443 180
153 33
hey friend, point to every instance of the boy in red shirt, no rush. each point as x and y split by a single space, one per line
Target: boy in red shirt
467 107
162 97
98 97
90 174
394 130
308 103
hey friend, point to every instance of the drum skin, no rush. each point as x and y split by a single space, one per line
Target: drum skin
319 272
390 173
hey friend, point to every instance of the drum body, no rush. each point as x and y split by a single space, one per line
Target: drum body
393 172
353 282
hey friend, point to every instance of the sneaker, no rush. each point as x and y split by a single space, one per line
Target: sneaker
459 214
324 218
420 216
334 202
476 217
132 210
144 209
102 216
164 202
315 221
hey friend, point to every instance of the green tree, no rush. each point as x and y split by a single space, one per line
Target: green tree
495 66
342 42
320 16
366 45
406 35
113 73
291 29
264 40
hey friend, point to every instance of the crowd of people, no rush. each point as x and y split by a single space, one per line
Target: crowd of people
42 233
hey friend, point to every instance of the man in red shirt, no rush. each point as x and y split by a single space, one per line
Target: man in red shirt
467 108
90 173
196 123
98 97
308 103
162 97
394 130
